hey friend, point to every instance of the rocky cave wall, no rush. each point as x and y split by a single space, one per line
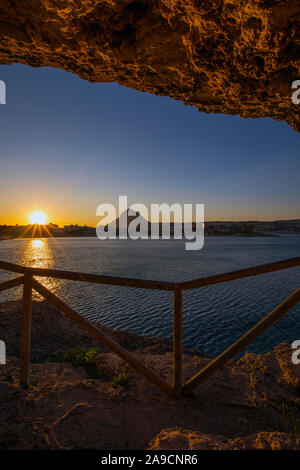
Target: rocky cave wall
223 56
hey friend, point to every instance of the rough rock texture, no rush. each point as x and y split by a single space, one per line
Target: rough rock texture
224 56
252 403
175 439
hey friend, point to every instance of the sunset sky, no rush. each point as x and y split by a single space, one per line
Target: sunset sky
67 145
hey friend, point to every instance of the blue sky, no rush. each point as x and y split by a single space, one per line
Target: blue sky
68 145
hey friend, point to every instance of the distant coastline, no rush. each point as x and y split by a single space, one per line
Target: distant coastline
218 228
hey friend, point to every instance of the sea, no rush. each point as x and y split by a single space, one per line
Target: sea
213 317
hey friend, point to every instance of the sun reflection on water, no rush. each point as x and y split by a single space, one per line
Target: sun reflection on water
37 243
38 254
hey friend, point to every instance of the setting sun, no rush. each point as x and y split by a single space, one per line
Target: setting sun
38 218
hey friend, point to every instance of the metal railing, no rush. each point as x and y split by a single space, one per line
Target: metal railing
177 389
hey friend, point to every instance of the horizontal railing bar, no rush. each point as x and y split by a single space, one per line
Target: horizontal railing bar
148 284
12 268
241 273
241 343
102 337
18 281
86 277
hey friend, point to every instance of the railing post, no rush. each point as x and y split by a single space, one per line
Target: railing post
177 343
26 330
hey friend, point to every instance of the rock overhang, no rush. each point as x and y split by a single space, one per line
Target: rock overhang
223 56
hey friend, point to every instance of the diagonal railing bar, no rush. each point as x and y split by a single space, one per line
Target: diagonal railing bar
17 281
241 343
102 337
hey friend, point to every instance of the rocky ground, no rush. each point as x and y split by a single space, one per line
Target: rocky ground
250 404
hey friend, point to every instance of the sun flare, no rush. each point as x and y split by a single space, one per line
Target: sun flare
38 218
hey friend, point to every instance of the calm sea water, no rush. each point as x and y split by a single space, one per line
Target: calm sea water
214 316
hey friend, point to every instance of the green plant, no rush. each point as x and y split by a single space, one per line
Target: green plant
82 357
119 381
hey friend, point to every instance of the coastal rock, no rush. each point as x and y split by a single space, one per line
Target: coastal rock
250 403
223 56
175 439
